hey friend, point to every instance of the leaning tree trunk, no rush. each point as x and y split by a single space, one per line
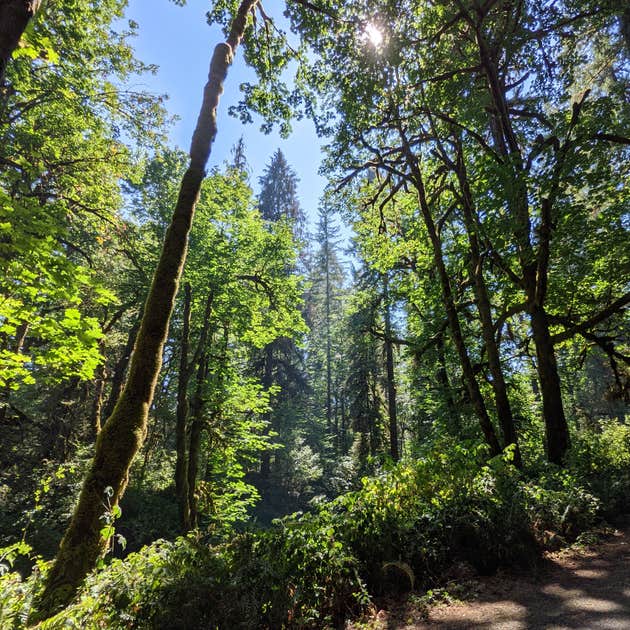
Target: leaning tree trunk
472 386
124 432
499 386
534 268
14 18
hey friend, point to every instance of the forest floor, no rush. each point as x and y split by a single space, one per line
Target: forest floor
586 588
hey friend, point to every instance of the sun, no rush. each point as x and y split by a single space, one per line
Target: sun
374 35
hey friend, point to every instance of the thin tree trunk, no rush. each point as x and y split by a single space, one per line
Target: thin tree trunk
181 414
454 421
267 382
344 425
472 386
328 339
502 402
123 433
14 18
336 427
118 377
97 403
391 379
194 448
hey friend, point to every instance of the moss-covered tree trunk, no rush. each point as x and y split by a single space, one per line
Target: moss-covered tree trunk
394 450
482 299
181 416
448 299
123 434
14 18
194 449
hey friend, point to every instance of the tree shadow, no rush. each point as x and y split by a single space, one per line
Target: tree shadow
589 590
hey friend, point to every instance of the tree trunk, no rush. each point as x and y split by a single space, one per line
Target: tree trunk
14 18
118 377
267 382
468 373
194 448
470 380
502 402
556 429
181 415
97 403
534 268
328 342
454 421
123 433
344 426
391 379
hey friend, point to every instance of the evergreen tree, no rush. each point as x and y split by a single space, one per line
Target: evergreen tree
325 310
278 194
280 363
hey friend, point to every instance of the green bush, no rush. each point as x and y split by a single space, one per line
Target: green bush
404 528
601 457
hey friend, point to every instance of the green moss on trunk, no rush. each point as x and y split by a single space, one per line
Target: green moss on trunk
124 432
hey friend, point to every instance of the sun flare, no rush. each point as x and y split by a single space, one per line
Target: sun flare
374 35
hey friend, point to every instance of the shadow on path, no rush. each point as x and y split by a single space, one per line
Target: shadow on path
575 590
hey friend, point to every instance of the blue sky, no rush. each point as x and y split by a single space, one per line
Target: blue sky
180 42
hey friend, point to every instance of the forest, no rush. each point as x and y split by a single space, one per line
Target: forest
217 412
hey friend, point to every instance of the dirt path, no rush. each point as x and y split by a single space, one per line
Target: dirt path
586 589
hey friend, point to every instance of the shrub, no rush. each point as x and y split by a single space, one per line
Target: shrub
601 457
404 527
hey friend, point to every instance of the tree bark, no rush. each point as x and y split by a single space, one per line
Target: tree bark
125 430
14 18
194 447
181 415
267 382
468 373
391 379
502 402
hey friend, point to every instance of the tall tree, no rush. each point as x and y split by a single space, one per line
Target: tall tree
280 362
123 433
472 76
278 194
392 409
324 304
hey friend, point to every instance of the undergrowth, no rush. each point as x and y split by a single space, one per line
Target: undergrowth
403 529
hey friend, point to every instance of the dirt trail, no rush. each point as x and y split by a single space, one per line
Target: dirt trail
587 589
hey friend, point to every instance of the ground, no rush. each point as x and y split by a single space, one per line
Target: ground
575 589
